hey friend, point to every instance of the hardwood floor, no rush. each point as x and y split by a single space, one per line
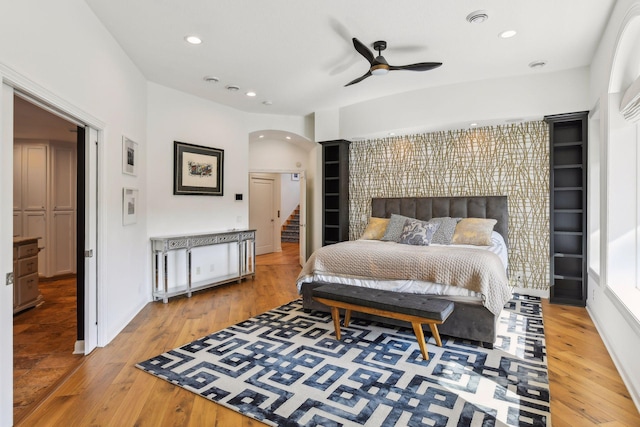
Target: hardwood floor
43 342
106 388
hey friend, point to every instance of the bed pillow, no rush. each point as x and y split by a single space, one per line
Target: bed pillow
416 232
474 231
394 228
375 229
445 231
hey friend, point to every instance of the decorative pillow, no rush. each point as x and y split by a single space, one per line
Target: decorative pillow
375 229
474 231
394 228
446 228
416 232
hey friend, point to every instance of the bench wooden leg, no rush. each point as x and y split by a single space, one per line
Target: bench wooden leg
435 333
417 329
335 315
347 317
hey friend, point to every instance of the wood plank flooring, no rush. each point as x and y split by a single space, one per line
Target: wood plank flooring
106 389
43 342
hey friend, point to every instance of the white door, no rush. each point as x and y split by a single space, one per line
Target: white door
91 241
261 192
6 256
303 218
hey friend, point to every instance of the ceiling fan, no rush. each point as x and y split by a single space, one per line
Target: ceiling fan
380 66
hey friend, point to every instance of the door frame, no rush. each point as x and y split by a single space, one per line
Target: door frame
49 101
304 238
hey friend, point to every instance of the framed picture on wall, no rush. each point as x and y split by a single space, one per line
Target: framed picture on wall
129 206
197 170
129 156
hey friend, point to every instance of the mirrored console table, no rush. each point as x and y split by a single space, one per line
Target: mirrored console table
169 252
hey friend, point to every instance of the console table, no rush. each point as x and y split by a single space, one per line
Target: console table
161 246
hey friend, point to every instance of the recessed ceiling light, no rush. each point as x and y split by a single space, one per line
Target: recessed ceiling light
260 136
233 88
392 133
507 34
473 125
287 137
537 64
267 102
251 93
477 17
193 39
211 79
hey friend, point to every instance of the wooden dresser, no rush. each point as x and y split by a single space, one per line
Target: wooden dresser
26 293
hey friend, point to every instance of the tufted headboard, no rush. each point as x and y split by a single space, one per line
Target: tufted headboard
425 208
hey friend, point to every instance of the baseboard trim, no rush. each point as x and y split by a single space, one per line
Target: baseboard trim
79 347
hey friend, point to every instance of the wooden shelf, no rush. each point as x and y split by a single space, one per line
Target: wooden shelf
335 191
568 205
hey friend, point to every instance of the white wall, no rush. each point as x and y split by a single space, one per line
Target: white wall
277 156
456 106
62 48
289 196
620 332
176 116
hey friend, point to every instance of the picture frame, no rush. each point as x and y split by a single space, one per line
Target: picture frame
129 156
197 170
129 206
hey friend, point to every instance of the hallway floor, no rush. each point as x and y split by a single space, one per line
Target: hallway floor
43 342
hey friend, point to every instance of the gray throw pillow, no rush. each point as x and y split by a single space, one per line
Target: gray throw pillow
394 228
446 228
416 232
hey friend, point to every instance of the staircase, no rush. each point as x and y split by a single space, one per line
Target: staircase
291 227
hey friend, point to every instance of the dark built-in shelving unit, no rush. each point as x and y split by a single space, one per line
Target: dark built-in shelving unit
568 204
335 191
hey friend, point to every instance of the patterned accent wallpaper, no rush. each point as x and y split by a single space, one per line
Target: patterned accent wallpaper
511 160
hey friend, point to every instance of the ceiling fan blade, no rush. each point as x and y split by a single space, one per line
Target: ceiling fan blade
363 50
420 66
359 79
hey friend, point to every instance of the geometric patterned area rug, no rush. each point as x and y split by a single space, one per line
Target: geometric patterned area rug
285 368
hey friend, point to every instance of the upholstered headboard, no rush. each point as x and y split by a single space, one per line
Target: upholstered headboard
425 208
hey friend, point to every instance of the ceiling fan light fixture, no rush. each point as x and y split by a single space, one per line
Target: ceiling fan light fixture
379 69
477 17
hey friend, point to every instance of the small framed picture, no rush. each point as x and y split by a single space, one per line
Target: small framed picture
129 206
295 177
197 170
129 156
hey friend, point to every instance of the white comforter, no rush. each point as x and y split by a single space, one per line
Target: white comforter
453 270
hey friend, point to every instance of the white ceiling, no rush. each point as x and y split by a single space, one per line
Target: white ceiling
299 54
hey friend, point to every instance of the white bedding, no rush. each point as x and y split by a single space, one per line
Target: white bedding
498 247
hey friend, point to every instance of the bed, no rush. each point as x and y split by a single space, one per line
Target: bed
475 314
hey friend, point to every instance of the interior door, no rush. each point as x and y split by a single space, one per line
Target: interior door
303 219
261 209
87 251
6 256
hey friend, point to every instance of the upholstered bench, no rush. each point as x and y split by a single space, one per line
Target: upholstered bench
413 308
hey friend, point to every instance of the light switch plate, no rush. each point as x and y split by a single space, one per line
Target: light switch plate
10 278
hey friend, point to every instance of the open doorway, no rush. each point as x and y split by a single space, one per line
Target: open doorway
48 152
277 206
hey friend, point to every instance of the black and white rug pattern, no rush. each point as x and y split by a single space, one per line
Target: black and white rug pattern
285 368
